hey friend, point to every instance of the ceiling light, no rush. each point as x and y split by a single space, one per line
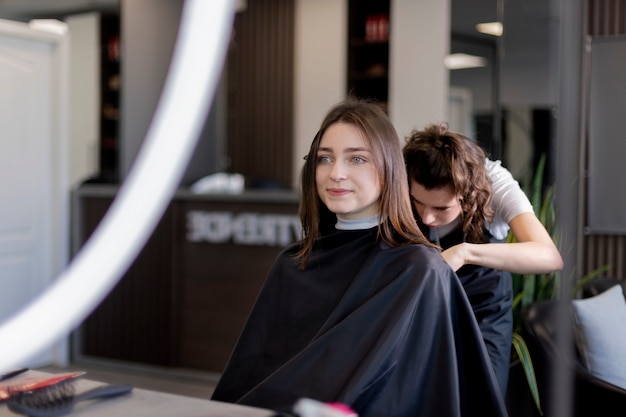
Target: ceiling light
491 28
461 61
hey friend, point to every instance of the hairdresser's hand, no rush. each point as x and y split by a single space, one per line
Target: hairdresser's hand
455 256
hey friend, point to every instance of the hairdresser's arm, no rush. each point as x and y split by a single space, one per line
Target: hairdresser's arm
533 253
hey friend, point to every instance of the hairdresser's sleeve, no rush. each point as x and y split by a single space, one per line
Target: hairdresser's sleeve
508 200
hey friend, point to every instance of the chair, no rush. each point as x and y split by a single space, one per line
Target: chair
591 396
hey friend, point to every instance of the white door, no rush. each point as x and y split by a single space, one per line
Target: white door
34 192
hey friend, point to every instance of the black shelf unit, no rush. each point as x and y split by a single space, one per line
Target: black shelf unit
110 84
368 49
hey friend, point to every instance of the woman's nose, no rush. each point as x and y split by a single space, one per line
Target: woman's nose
338 172
428 217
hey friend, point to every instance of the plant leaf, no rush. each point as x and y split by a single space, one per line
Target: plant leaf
589 277
527 364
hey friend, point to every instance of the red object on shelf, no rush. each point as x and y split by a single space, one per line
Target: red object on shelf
377 27
113 48
383 27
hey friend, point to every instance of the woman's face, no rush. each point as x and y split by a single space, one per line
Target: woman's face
346 178
437 207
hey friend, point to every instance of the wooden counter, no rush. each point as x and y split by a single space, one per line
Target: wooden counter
184 300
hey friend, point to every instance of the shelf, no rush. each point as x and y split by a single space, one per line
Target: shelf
359 42
363 77
110 84
368 49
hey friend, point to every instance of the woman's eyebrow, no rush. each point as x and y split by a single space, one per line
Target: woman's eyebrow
358 149
352 149
346 150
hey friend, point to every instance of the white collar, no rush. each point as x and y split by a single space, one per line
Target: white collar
358 224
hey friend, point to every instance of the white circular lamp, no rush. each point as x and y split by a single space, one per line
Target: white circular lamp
142 198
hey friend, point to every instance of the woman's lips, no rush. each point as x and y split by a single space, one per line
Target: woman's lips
337 192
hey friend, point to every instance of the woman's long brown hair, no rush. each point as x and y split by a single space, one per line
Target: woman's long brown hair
397 224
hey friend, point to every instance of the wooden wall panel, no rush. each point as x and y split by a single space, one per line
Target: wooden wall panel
260 92
601 250
134 322
606 17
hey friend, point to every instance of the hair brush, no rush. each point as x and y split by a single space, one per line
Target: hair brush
60 399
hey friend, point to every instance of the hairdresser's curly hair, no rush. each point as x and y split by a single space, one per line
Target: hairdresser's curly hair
437 157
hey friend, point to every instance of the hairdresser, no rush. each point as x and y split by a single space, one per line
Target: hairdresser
466 204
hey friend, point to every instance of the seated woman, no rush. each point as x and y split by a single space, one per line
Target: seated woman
364 310
463 202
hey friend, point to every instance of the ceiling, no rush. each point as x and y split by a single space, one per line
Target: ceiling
528 24
27 9
520 16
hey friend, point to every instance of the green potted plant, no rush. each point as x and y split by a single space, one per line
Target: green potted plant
530 288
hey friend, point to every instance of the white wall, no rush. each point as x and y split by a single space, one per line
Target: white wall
84 96
320 68
418 80
148 31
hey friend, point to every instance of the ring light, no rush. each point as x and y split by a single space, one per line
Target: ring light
142 198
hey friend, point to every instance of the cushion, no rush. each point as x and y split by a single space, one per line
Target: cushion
600 323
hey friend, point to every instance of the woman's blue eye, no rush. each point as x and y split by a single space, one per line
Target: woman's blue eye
358 159
323 159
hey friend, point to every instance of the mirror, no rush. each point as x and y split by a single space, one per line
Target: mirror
514 96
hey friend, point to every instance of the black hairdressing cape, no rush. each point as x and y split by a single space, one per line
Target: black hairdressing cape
490 293
388 331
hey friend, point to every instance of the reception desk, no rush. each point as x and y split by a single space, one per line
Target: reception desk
185 299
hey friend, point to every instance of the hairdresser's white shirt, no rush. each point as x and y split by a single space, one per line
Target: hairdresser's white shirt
508 200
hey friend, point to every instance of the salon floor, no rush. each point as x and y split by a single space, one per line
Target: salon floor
187 383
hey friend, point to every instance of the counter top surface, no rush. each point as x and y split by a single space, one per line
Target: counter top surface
142 402
184 193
